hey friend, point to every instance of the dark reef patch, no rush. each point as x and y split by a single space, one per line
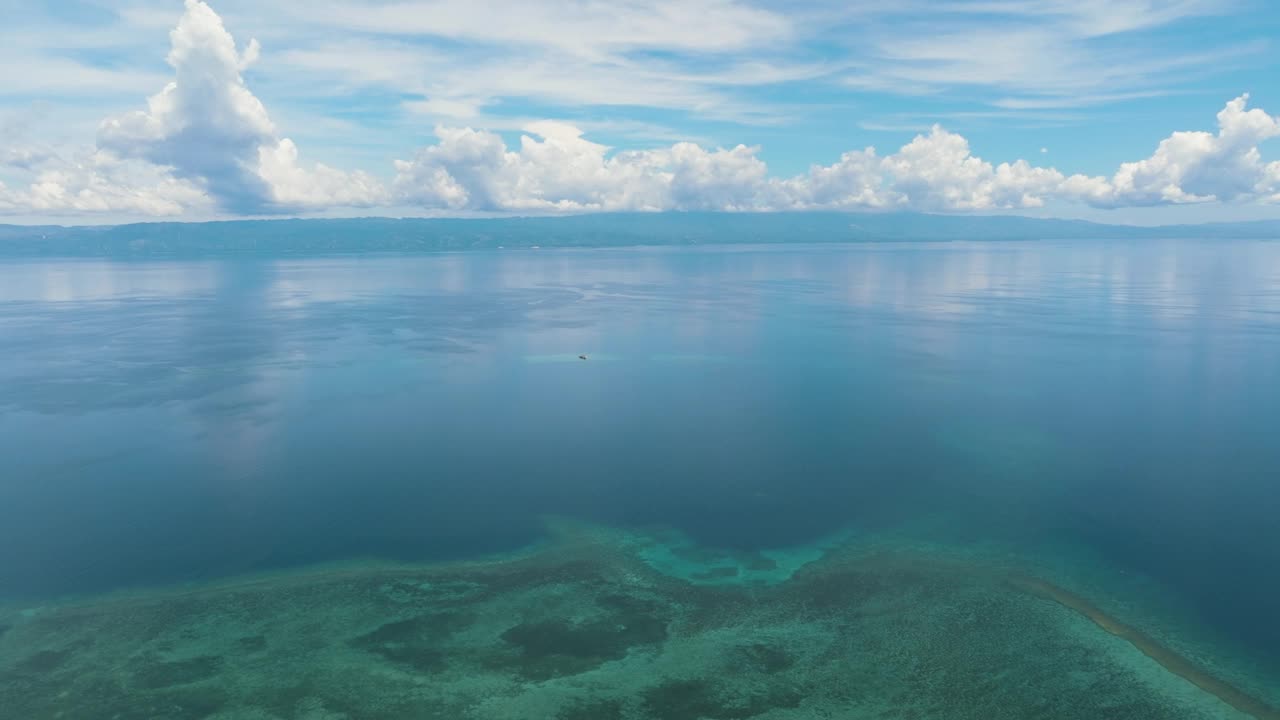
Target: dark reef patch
762 657
555 648
159 675
414 643
43 662
252 643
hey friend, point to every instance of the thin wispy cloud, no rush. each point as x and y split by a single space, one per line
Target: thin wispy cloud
585 29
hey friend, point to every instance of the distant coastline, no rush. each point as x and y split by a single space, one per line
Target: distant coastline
358 235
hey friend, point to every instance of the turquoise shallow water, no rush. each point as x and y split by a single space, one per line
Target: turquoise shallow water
1104 411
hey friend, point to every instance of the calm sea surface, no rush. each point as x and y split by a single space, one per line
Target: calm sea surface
171 421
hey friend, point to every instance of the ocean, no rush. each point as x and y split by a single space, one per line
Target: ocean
872 480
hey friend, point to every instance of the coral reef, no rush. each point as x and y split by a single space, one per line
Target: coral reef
585 628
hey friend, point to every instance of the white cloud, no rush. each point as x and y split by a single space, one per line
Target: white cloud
1078 100
206 143
24 157
585 29
459 85
1271 183
293 186
211 130
45 76
1196 166
697 55
855 181
72 181
938 172
469 169
1035 54
99 182
1083 18
555 168
461 61
733 179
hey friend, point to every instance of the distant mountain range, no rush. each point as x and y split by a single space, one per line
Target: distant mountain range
313 237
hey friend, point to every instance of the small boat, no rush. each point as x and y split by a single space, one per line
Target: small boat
582 357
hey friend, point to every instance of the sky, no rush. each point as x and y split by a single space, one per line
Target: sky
1129 111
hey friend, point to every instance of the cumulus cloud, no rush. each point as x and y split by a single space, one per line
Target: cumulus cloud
293 186
560 170
95 181
556 168
210 129
1271 183
854 181
1190 167
24 158
938 172
70 181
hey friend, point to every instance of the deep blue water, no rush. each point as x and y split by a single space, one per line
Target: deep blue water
168 421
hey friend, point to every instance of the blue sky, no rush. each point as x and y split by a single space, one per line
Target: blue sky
1118 110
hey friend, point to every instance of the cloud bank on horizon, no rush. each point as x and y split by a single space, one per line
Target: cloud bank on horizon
205 144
